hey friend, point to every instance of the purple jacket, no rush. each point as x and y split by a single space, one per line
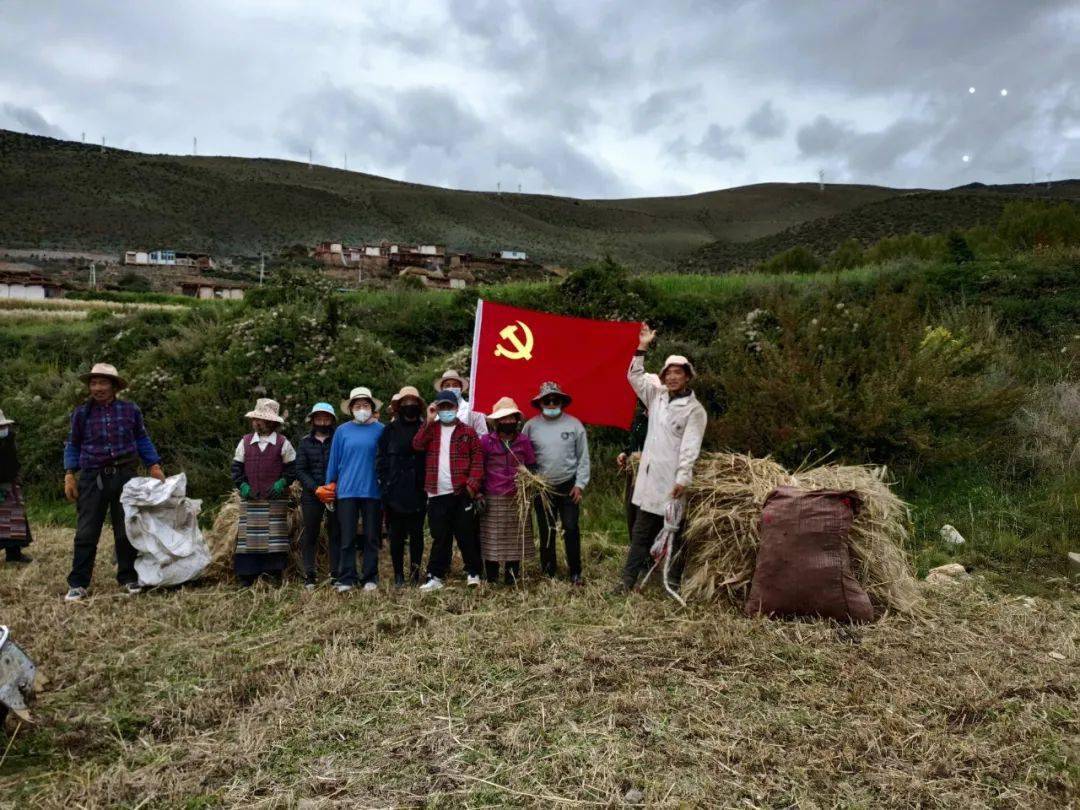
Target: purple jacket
500 464
102 434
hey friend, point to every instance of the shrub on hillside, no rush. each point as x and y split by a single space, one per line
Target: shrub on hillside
605 290
849 254
794 260
1028 225
909 246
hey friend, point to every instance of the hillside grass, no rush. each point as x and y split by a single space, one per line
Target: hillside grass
211 696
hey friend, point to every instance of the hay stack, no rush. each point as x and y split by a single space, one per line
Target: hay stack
722 527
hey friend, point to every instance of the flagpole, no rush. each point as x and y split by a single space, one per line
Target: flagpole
475 351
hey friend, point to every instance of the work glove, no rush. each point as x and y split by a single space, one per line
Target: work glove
278 488
245 490
71 487
326 493
155 471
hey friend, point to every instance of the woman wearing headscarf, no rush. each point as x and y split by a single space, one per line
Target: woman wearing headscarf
506 535
14 528
264 464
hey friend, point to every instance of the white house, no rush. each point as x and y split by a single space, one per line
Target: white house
136 257
513 255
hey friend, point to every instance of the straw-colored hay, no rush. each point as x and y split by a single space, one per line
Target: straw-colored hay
722 527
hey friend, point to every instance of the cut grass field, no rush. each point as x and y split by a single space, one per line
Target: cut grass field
543 696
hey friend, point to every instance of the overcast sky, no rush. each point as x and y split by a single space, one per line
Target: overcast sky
591 99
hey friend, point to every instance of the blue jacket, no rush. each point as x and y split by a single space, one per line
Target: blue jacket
352 460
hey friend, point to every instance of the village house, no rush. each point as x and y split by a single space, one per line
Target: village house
27 286
209 289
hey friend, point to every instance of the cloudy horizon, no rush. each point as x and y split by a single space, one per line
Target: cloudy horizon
599 99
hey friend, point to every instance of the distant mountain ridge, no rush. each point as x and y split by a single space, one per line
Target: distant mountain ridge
63 194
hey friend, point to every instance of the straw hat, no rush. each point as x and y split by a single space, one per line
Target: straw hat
360 392
551 389
504 407
450 374
4 421
267 410
105 370
322 407
677 360
407 391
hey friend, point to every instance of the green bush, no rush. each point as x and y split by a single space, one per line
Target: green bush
794 260
1027 225
848 255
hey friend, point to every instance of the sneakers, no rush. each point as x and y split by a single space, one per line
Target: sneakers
473 580
132 588
76 595
433 584
310 582
371 586
341 587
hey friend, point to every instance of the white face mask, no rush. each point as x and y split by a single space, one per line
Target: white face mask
4 431
361 414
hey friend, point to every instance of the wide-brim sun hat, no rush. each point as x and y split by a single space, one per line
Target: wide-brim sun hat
266 409
321 407
407 391
550 389
4 421
105 370
450 374
677 360
504 407
360 392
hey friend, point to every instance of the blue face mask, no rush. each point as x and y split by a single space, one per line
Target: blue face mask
447 417
552 413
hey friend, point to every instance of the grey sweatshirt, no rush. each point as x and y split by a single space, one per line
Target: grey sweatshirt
562 448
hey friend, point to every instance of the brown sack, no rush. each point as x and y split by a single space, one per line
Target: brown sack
803 563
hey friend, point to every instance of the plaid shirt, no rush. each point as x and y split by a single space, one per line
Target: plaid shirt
102 434
466 458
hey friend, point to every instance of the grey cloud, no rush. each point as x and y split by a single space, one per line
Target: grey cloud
863 153
660 107
766 122
717 144
27 119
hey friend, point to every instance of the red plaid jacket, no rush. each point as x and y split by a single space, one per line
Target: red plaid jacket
466 458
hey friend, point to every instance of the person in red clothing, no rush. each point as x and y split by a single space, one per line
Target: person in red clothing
454 469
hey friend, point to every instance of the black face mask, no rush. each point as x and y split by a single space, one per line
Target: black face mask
322 431
410 412
506 430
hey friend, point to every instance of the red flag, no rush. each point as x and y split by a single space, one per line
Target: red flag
515 350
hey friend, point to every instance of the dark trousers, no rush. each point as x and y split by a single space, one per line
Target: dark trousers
100 493
314 512
639 560
349 510
450 517
513 572
406 525
631 510
564 511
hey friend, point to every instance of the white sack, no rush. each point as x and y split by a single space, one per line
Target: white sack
162 524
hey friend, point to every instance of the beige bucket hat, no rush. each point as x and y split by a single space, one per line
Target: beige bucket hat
504 407
105 370
407 391
450 374
4 421
266 409
678 360
360 392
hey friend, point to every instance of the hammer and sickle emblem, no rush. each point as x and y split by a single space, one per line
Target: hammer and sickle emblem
520 351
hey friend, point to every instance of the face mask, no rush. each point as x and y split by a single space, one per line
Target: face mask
455 391
4 432
361 414
552 413
410 412
322 430
507 430
447 417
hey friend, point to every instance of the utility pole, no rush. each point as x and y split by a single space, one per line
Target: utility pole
103 144
309 160
519 188
821 180
84 136
498 187
93 276
346 160
195 145
1048 174
262 267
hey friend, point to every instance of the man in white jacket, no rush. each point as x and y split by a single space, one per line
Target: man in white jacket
672 444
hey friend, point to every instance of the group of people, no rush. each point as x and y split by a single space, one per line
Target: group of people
439 463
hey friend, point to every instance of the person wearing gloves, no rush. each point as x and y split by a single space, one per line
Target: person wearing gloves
672 444
351 477
562 453
263 466
506 536
14 528
105 444
454 469
454 382
312 456
401 481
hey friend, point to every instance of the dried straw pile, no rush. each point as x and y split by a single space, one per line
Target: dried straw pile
722 527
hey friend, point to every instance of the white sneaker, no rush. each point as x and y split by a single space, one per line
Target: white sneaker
432 584
132 588
76 595
341 587
371 586
473 580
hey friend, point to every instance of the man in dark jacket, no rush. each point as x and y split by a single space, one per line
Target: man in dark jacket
311 456
400 469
